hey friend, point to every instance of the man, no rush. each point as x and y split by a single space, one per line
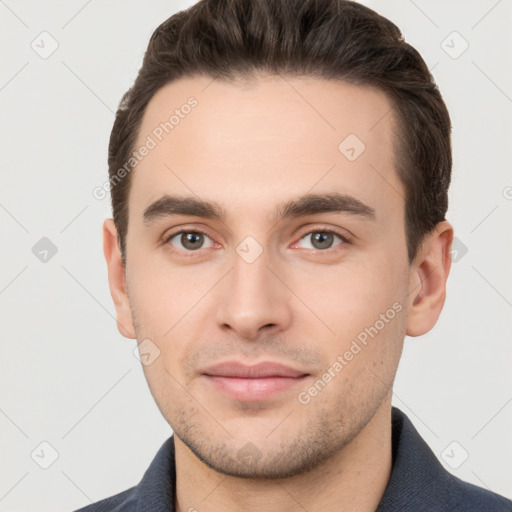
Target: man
279 175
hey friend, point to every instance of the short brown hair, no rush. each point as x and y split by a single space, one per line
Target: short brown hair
330 39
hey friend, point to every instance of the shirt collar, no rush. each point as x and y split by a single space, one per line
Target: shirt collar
416 473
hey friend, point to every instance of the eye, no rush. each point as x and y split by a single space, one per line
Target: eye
323 239
189 240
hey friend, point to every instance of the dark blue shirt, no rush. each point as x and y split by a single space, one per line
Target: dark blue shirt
418 482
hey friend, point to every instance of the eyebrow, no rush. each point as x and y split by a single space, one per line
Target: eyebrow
309 204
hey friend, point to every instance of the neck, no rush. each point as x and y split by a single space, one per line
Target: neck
354 478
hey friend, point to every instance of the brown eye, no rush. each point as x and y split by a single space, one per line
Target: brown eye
192 241
189 240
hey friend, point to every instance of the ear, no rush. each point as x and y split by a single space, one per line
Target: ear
117 279
429 272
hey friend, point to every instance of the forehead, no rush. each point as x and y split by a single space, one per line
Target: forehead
252 143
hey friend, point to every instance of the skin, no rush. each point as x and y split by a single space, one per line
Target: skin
250 147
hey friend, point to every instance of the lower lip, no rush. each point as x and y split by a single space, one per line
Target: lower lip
252 390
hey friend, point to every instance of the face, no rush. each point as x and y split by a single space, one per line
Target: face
271 285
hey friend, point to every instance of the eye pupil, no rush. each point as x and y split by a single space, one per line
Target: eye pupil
192 240
322 240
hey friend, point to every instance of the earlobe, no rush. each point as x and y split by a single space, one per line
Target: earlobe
429 273
117 279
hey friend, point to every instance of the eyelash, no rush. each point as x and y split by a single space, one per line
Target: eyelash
344 238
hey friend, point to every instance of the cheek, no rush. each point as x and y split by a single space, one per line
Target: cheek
163 294
167 301
351 296
363 306
167 389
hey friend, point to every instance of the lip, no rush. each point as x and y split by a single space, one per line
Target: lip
257 371
253 383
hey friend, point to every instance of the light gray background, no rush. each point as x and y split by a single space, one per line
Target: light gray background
71 380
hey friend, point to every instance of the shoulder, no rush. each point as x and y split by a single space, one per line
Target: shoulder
419 482
465 497
155 491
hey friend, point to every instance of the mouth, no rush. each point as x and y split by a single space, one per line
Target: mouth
253 383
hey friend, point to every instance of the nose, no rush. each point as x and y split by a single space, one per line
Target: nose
252 300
